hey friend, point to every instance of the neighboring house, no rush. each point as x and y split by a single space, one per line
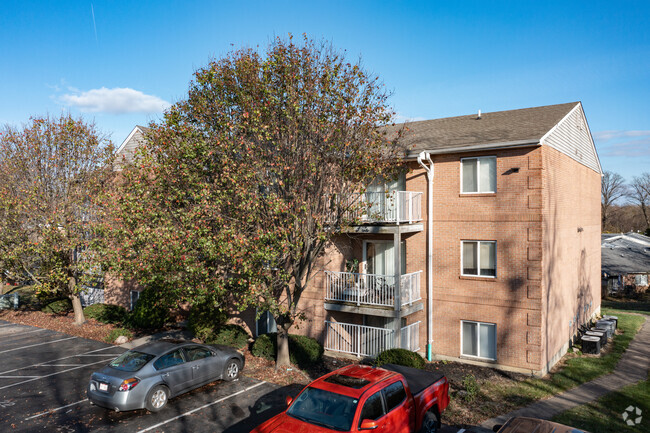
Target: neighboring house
625 263
125 293
126 151
492 259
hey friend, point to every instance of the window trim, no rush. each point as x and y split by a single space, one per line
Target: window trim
478 176
478 258
478 340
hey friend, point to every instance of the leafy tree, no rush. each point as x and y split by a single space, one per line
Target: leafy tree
239 190
613 188
640 195
48 170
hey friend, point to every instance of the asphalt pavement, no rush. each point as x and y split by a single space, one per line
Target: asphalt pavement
43 379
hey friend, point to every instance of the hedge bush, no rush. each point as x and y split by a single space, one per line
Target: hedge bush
117 332
151 311
106 313
303 351
229 335
60 306
204 319
400 357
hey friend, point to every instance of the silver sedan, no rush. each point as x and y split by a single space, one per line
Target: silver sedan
149 375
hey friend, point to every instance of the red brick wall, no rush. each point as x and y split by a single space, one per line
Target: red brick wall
571 247
512 218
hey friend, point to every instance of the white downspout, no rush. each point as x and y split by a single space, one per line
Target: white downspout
422 158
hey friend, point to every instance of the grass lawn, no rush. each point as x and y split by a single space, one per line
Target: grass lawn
503 396
606 414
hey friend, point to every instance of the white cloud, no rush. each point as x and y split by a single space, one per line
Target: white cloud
400 118
115 101
608 135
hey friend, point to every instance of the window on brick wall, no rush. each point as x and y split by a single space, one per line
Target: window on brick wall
478 339
479 258
478 175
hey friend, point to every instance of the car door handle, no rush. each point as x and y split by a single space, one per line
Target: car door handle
165 375
195 367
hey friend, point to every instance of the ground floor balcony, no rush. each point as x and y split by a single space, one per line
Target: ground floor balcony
372 289
362 341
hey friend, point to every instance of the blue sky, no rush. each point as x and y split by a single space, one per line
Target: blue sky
120 63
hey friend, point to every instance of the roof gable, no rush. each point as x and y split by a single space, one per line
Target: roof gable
497 129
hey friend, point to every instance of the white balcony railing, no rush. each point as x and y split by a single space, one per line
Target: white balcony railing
362 340
410 337
395 207
371 289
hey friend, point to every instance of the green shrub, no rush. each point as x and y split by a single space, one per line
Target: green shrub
303 351
265 346
118 332
229 335
151 311
472 388
60 306
400 357
106 313
204 319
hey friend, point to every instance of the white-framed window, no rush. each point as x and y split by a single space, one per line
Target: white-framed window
478 175
478 258
135 295
478 340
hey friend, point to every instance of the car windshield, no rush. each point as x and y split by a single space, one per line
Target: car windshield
324 408
131 361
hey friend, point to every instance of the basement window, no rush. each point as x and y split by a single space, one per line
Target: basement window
478 340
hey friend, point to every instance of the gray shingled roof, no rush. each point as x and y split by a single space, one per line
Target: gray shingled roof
625 254
512 127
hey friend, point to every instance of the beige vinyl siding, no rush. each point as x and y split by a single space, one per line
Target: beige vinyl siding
572 137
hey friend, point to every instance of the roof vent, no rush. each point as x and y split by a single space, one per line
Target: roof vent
479 115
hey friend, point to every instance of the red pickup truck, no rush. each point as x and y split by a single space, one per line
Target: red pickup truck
390 399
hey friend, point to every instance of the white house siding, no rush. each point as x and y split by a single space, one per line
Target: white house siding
572 137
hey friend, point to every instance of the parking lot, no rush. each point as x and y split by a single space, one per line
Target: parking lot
43 379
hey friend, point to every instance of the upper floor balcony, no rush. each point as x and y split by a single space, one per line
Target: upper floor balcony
373 291
392 207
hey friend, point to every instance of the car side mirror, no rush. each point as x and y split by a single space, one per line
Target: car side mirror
289 400
368 424
497 427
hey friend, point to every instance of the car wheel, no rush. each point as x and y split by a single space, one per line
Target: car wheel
431 422
157 398
232 369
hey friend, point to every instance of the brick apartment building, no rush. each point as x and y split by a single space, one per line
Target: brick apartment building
493 234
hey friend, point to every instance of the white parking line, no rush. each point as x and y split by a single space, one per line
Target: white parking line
461 431
45 363
49 411
37 344
61 365
17 377
199 408
19 334
51 374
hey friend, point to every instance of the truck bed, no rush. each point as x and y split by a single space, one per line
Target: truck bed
418 380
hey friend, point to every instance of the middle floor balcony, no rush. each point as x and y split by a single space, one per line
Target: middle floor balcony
373 294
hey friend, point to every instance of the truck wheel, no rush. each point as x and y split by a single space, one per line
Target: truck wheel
431 422
157 398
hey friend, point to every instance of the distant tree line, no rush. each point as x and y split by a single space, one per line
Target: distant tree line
625 206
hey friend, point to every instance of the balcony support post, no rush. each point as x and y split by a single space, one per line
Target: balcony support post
397 322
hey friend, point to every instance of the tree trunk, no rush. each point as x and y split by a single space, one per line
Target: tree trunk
79 318
283 359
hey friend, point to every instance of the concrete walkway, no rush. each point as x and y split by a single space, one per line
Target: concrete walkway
631 368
